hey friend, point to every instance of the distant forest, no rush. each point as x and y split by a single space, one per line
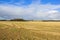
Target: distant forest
18 19
14 20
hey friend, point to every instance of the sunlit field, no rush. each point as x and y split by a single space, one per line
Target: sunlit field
13 30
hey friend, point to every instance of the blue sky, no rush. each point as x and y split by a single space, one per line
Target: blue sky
30 9
54 2
27 2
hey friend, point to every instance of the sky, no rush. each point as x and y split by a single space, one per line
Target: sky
30 9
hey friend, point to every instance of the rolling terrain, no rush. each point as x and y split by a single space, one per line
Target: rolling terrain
12 30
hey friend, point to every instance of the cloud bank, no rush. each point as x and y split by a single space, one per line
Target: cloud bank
35 10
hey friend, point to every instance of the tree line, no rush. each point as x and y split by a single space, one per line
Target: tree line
15 20
19 19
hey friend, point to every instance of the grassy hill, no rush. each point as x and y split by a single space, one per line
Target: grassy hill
29 30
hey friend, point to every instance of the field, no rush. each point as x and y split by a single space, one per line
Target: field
10 30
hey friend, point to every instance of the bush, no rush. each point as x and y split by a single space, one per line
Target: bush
17 20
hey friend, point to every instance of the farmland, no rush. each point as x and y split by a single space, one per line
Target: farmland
13 30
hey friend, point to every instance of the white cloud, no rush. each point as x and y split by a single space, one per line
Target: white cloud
53 11
32 11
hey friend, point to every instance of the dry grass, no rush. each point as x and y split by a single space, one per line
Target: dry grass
29 30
